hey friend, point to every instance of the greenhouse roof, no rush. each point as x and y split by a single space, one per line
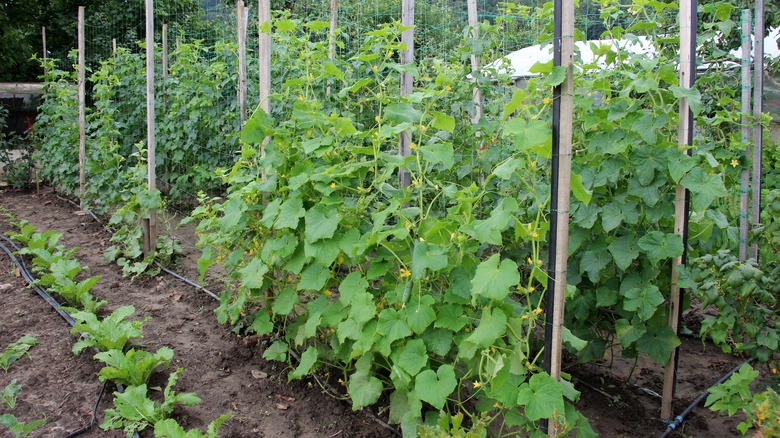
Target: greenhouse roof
518 64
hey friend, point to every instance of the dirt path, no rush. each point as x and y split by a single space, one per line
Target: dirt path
229 374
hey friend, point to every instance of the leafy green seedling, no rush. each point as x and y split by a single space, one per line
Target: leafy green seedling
16 350
20 430
734 393
132 368
134 411
10 392
112 333
169 428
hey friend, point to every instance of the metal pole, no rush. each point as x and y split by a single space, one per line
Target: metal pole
682 197
150 222
744 189
407 82
82 110
758 108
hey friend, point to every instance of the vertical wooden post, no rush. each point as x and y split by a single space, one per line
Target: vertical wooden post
150 222
475 61
758 108
264 67
82 110
560 191
407 82
165 50
744 187
241 21
45 52
113 46
334 16
685 140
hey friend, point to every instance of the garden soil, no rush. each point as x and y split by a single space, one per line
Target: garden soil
229 374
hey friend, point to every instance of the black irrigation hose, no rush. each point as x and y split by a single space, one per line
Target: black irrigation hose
88 427
31 281
679 419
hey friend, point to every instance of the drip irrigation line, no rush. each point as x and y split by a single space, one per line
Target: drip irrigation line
679 419
91 424
31 281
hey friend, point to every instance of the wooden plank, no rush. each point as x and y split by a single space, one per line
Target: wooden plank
45 52
475 61
758 108
407 83
264 67
82 109
744 186
150 226
684 137
164 51
113 46
334 17
242 97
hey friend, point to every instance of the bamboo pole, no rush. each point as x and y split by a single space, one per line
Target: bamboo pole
687 76
475 61
150 222
744 189
758 108
165 65
241 21
45 52
560 191
334 17
82 109
407 83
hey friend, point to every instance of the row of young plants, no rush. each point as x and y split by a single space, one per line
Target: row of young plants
11 353
432 294
114 339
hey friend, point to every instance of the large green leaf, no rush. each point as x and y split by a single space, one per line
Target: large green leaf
434 387
542 397
412 357
353 284
705 188
492 325
439 153
658 245
494 277
624 250
308 359
252 274
290 212
443 121
420 313
658 343
321 223
402 112
364 389
426 257
643 300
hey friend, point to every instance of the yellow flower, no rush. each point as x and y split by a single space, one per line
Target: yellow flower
300 97
375 68
412 146
476 385
378 95
535 235
377 118
546 101
328 293
403 273
390 53
333 185
448 88
734 163
538 311
531 289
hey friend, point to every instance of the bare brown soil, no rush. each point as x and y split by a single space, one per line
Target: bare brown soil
229 373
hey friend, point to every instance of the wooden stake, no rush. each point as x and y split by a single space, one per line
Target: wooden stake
45 52
334 17
82 110
150 222
560 192
758 108
407 82
113 46
165 66
475 61
264 53
684 140
241 19
744 188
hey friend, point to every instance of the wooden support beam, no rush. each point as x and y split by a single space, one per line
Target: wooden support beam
407 83
241 23
334 17
475 61
744 187
758 108
82 109
150 222
687 76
